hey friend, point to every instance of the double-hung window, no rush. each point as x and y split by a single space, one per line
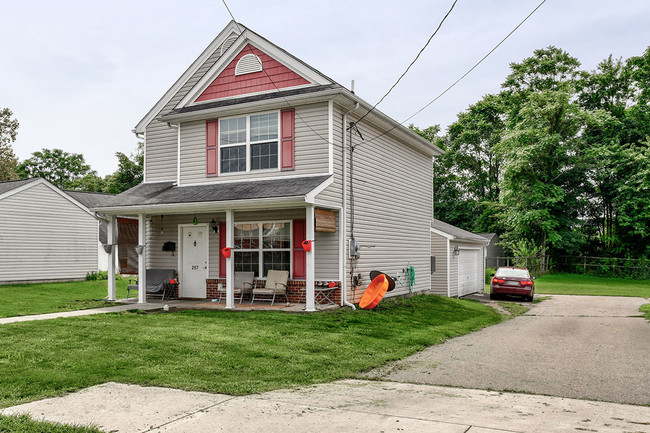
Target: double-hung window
249 143
262 246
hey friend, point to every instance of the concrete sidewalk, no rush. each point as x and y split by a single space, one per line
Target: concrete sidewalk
350 405
88 312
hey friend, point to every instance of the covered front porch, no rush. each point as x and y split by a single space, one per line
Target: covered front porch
208 244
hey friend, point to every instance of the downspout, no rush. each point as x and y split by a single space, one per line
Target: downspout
344 209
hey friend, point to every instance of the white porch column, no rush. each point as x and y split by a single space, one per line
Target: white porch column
111 232
142 259
309 283
230 261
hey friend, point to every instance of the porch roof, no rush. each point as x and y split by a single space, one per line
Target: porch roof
161 196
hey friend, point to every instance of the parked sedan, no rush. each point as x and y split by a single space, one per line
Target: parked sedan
512 281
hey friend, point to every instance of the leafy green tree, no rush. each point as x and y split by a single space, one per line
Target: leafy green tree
61 168
129 172
8 132
542 173
90 182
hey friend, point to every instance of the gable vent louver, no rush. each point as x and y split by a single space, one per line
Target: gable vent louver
227 43
248 64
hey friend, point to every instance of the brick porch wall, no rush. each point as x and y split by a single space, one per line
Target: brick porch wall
295 290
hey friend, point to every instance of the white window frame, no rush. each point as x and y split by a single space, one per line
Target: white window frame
248 144
261 243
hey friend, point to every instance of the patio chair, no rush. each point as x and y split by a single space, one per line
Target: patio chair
244 282
276 284
158 283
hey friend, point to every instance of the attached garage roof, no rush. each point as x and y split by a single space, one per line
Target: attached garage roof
454 232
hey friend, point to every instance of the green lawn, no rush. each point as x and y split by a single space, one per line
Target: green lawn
24 424
25 299
645 309
573 284
223 351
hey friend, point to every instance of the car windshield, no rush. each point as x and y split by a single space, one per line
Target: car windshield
510 272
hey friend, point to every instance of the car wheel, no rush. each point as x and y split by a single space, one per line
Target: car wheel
529 298
493 296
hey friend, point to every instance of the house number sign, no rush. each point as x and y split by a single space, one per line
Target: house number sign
195 267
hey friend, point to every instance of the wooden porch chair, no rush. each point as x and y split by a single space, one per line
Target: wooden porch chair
276 284
243 285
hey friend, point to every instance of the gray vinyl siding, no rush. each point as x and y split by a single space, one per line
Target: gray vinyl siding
326 257
453 272
439 277
326 249
393 207
332 196
310 150
159 259
44 236
161 151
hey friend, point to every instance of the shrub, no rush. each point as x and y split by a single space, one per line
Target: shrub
96 276
488 274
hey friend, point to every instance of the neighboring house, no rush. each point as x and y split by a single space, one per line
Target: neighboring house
457 260
250 149
493 250
127 229
46 234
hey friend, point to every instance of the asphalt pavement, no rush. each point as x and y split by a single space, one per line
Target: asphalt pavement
586 347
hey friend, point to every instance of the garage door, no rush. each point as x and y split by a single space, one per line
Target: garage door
468 271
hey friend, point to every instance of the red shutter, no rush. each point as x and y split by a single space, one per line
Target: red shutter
299 255
211 149
287 143
222 244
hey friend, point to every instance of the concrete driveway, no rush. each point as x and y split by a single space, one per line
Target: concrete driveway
587 347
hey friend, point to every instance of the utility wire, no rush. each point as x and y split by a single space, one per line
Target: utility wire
462 77
273 82
412 63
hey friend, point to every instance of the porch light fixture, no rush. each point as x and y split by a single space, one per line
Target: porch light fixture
195 221
161 224
151 222
456 251
214 226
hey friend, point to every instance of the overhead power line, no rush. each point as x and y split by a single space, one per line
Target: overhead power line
413 62
462 76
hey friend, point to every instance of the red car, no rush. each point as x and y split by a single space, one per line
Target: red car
512 281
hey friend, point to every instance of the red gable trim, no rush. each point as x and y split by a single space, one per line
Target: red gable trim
229 84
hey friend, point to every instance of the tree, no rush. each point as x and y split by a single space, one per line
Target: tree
61 168
8 132
543 174
129 172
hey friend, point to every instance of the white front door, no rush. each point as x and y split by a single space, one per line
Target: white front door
194 260
468 272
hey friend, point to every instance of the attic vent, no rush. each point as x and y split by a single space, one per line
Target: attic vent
248 64
227 43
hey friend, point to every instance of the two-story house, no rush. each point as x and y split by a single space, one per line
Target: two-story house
251 149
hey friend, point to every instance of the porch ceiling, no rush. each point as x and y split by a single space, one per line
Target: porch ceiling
162 196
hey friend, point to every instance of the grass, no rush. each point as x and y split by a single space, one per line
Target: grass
25 299
645 309
574 284
226 352
513 308
25 424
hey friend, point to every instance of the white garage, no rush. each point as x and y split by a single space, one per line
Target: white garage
457 260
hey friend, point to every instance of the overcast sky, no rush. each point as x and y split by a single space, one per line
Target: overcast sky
79 75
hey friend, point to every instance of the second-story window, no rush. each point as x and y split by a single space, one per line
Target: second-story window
249 143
